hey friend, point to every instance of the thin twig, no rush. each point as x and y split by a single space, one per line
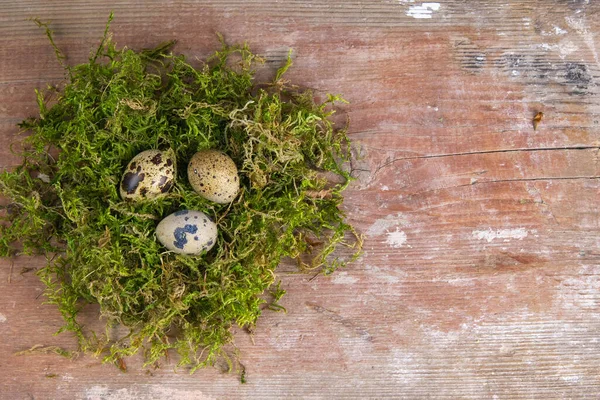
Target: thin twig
12 265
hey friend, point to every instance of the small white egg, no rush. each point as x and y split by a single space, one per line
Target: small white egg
187 232
214 176
149 175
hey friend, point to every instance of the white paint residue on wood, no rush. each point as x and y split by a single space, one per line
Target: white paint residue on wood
405 367
162 392
571 378
382 225
156 392
578 292
580 25
388 279
2 318
385 275
105 393
460 282
506 234
285 340
555 31
564 48
423 10
407 363
396 239
558 31
342 278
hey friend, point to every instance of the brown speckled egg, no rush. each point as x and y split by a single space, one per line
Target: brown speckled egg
149 175
214 176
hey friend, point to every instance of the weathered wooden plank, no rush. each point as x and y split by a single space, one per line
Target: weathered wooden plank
481 272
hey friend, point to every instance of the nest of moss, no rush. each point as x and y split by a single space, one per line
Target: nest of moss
65 204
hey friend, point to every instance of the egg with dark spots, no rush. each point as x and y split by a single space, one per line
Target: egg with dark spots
149 175
187 232
214 176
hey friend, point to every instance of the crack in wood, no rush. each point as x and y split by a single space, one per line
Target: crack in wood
470 153
540 202
544 178
335 317
539 179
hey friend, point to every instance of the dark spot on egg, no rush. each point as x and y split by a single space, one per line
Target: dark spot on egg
163 179
180 235
133 166
209 243
196 238
131 181
143 191
157 159
139 169
235 179
186 218
204 220
169 162
167 186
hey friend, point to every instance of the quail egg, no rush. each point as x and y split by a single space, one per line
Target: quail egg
187 232
214 176
149 175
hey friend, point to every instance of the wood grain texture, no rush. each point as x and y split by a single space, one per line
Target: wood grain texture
481 272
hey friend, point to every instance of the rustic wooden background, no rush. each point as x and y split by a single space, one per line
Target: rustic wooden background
481 271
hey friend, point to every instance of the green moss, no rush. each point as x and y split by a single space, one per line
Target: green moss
102 250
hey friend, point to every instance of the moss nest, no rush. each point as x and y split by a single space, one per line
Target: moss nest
64 199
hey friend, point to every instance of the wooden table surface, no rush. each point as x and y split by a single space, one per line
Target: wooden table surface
481 271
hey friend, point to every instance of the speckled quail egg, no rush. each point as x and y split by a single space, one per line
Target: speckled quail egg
187 232
149 175
214 176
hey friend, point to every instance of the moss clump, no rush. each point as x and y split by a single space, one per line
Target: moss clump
102 250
